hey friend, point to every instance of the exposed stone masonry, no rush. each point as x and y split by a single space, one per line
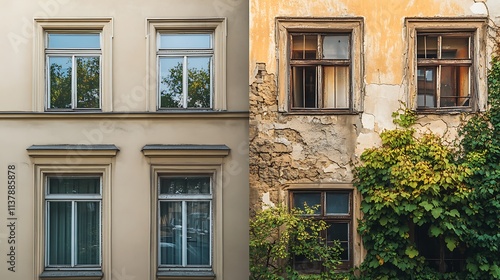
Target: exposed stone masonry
286 148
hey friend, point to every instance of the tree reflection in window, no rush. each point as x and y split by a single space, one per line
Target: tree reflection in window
86 90
178 92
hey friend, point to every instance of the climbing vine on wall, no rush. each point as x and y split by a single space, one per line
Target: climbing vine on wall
426 202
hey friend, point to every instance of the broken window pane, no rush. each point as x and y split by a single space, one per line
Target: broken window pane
454 86
304 46
304 87
455 47
336 47
427 46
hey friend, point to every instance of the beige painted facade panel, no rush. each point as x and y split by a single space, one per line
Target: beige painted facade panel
127 121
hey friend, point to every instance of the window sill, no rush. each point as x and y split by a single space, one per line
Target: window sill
185 275
322 112
444 111
72 274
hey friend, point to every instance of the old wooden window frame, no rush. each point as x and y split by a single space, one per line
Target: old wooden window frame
349 25
319 63
332 218
477 28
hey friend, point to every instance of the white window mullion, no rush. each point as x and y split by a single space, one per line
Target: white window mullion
73 233
211 81
73 82
184 233
47 78
185 82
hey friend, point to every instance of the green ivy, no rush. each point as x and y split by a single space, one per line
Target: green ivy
411 182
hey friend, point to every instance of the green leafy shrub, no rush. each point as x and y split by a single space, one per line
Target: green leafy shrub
277 234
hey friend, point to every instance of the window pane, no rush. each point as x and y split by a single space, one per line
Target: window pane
304 47
336 47
60 68
454 86
185 41
426 86
427 46
455 47
304 87
309 198
198 233
74 185
170 82
336 87
59 233
87 82
88 233
74 41
199 86
185 185
170 233
337 203
339 231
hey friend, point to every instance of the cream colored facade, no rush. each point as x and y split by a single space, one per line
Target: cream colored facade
296 150
127 142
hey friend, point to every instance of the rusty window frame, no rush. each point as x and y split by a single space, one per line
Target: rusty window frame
319 63
435 64
332 218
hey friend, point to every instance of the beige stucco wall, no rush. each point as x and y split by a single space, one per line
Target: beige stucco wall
130 130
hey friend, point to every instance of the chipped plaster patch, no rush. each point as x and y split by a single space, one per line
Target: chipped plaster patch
266 201
479 8
368 121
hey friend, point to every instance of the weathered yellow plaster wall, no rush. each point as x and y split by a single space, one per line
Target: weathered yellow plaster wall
384 36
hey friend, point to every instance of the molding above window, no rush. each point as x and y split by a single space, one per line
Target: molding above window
318 186
68 150
351 25
478 27
217 25
42 26
160 150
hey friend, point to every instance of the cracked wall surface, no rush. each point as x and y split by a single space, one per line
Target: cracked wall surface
298 148
288 149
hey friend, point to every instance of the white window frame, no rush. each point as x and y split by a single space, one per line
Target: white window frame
185 53
73 199
61 160
352 26
184 199
216 26
42 27
477 83
53 52
184 160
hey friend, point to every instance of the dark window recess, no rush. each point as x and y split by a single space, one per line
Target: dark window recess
320 67
335 208
444 65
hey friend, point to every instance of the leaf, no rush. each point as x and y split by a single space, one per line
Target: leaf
454 213
411 252
427 206
451 243
435 231
436 212
383 221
